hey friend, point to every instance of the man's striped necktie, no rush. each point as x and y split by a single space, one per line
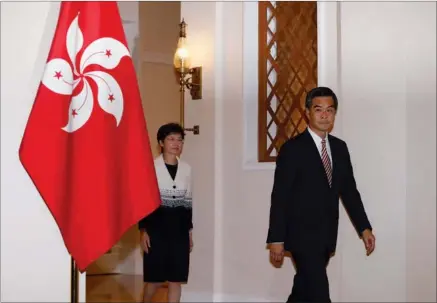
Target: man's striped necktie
326 162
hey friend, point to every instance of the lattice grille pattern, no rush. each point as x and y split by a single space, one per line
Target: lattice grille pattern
287 71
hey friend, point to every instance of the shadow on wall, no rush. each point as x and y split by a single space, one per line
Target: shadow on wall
135 54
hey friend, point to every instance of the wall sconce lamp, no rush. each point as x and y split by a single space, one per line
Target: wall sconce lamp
189 77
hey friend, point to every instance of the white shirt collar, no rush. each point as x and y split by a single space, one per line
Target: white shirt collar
318 142
160 158
316 137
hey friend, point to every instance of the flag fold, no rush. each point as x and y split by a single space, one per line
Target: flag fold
86 146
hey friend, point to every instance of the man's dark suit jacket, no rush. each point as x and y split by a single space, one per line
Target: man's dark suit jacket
304 209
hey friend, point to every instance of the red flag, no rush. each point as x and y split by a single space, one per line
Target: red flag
86 146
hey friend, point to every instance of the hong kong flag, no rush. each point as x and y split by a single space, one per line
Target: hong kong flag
86 146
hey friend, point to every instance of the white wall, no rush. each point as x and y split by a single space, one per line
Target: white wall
130 18
373 108
387 115
386 87
421 153
201 150
32 247
35 265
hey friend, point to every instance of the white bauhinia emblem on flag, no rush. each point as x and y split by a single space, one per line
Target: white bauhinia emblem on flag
62 77
86 112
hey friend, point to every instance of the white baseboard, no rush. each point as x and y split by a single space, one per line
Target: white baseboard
193 296
196 296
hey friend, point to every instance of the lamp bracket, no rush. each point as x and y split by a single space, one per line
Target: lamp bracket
193 82
195 129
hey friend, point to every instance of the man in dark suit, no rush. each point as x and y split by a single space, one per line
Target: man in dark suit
313 170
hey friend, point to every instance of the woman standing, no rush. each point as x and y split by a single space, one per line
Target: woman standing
166 234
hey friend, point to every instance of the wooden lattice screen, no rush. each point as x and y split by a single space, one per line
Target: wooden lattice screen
287 71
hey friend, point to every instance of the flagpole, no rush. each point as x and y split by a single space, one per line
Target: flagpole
74 282
75 35
182 99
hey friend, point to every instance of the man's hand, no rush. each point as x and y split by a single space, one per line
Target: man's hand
191 241
277 252
369 241
145 241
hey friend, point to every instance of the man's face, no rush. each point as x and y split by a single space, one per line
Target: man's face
322 114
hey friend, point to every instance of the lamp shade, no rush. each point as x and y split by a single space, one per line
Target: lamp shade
181 58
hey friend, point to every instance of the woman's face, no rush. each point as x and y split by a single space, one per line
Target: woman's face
172 144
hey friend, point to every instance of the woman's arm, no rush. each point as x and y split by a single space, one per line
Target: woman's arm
189 201
189 208
142 225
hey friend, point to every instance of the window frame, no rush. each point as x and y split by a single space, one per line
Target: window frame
329 71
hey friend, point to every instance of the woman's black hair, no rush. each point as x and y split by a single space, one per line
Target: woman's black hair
169 128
